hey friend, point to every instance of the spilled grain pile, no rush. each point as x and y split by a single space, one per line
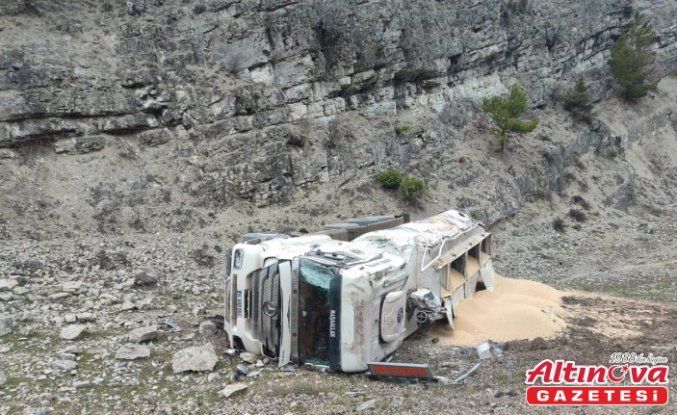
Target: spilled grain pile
516 309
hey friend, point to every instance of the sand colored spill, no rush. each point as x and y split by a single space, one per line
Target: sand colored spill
516 309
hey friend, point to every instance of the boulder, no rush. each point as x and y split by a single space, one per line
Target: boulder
132 352
73 332
143 334
143 279
195 359
207 328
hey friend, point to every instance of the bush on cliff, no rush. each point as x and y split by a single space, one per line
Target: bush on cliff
507 114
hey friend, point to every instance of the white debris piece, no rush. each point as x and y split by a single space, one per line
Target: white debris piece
230 390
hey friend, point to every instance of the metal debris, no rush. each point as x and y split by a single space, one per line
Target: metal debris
240 370
489 350
173 326
472 370
230 390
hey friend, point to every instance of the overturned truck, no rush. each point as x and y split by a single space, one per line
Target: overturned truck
349 295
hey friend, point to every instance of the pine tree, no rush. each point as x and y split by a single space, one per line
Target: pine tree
578 101
632 59
507 113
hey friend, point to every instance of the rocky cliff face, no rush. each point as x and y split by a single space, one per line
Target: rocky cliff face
168 114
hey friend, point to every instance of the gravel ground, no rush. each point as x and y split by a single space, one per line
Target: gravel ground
172 283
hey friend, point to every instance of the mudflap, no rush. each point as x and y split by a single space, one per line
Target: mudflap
487 273
449 306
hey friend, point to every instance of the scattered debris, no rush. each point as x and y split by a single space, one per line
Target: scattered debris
172 325
132 352
468 373
253 373
230 390
195 359
290 367
365 406
551 315
73 332
316 368
248 357
450 365
489 350
240 370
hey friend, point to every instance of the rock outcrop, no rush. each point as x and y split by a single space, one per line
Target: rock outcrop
208 104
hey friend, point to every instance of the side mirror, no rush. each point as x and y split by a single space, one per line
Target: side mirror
228 262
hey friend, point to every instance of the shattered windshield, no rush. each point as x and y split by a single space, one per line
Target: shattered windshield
314 311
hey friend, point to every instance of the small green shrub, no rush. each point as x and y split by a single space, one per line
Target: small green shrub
558 225
389 178
611 152
577 100
580 201
413 188
401 129
577 215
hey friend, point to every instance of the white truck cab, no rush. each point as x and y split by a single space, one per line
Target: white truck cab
339 304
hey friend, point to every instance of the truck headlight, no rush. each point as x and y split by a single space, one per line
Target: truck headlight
237 258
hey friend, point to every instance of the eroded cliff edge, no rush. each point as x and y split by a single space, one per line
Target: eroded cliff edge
191 114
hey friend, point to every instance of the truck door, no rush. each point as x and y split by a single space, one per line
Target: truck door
393 322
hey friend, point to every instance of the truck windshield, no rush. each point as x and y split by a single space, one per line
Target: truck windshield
317 320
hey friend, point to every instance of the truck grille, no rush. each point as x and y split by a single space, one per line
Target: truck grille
268 310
